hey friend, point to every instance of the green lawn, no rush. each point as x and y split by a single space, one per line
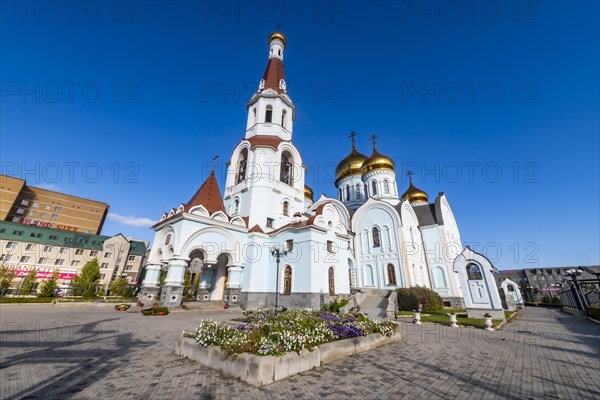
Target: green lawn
441 317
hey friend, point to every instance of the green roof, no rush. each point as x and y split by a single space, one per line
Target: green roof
34 234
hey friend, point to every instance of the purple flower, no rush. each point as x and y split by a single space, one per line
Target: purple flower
345 331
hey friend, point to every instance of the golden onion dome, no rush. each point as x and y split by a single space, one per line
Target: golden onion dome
377 161
350 165
278 35
415 195
308 193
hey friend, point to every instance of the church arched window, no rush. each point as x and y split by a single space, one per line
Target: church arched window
283 118
269 114
358 192
286 208
287 280
391 273
386 187
347 192
341 195
376 237
331 281
474 272
242 166
374 188
286 175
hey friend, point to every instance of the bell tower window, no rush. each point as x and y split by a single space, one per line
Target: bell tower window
236 207
347 192
358 192
386 187
374 188
242 165
269 114
286 174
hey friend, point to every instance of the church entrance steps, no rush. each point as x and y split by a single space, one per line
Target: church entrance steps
375 303
207 306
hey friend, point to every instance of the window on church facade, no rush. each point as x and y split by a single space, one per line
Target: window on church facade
283 118
474 272
331 281
242 166
236 206
254 112
386 187
270 222
391 273
347 192
286 175
376 237
358 192
289 245
286 208
269 114
287 280
374 188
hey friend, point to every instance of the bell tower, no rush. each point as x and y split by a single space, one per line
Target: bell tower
271 111
265 179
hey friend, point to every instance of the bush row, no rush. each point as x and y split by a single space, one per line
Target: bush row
595 312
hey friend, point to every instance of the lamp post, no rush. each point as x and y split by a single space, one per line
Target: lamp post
277 253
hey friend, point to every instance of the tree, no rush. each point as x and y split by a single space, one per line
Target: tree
120 287
161 282
6 277
49 286
85 283
187 284
28 283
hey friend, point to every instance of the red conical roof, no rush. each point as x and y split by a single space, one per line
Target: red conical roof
209 196
273 74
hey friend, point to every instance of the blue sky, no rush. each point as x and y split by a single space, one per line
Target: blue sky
494 103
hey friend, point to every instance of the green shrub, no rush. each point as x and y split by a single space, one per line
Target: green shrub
407 300
335 305
595 312
430 300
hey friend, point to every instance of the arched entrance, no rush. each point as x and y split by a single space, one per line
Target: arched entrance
195 270
219 278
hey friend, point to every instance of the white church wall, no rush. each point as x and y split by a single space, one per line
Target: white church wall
373 261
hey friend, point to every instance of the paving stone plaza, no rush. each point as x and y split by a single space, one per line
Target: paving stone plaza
85 352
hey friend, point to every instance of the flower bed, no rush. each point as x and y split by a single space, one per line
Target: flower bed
273 344
275 332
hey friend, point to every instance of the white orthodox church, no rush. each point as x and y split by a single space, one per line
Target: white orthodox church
369 237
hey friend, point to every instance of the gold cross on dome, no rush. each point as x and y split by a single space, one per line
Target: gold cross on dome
373 139
352 137
409 174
